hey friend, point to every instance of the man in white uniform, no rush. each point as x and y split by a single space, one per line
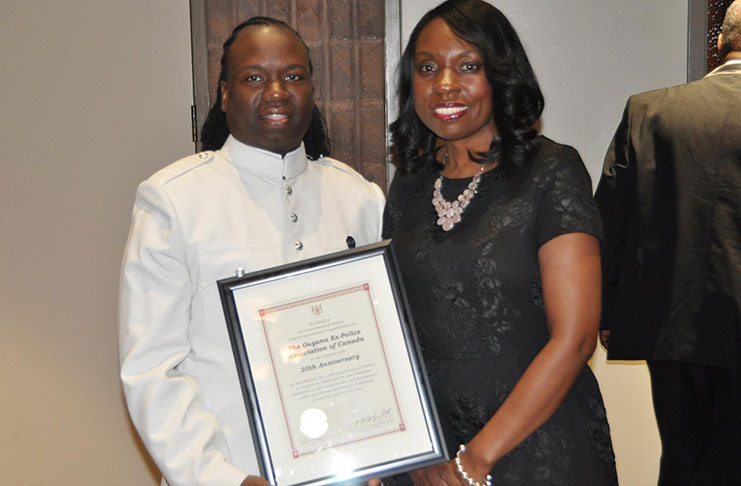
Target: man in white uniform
256 202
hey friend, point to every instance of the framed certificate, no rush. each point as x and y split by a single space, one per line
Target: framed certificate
330 369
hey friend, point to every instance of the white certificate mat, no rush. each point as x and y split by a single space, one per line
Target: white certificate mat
331 373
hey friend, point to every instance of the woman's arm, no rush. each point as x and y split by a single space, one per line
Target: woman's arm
570 274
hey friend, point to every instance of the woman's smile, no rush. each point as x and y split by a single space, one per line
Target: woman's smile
449 112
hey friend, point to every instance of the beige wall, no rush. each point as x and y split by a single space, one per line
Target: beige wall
95 96
589 56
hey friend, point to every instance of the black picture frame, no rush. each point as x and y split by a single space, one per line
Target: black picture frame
389 313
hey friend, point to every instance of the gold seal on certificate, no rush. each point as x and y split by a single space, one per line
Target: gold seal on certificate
330 369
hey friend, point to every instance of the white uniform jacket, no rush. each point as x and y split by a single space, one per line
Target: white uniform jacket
195 222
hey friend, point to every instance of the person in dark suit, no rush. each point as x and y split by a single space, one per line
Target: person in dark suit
670 200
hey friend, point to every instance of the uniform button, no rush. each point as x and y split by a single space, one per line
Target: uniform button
298 245
289 190
294 217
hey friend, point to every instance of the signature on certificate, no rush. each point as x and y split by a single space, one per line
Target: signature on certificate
380 417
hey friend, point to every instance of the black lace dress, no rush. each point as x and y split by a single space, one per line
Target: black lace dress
475 294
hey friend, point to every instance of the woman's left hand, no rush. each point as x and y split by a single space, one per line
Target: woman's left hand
444 474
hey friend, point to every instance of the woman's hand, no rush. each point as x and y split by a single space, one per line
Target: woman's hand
473 464
444 474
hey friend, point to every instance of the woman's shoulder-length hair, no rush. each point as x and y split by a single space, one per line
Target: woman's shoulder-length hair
516 97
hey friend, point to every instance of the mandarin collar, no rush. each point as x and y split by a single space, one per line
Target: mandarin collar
263 163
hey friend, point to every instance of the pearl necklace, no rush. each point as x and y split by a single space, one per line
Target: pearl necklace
450 213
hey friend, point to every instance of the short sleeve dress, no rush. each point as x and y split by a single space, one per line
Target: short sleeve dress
476 299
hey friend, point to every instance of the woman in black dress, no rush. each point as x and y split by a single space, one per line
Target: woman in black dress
497 237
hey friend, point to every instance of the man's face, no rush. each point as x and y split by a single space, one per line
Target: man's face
268 98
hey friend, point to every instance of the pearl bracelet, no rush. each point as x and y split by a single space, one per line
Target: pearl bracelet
464 474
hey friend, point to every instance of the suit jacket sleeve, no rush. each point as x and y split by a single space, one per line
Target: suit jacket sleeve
614 198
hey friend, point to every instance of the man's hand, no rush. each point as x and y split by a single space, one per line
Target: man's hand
255 481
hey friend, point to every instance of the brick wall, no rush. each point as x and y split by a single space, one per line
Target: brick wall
346 40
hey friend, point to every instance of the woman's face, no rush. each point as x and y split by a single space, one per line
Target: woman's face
452 96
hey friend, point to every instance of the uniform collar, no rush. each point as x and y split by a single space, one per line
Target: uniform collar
267 165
